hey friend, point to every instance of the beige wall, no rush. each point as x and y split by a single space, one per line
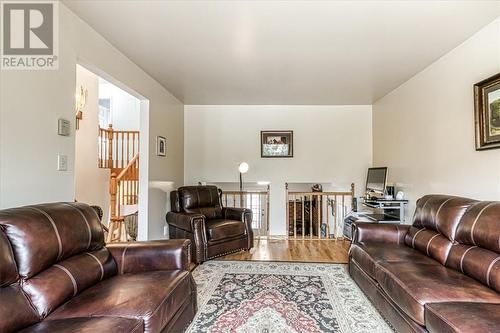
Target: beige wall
332 144
91 182
32 101
424 130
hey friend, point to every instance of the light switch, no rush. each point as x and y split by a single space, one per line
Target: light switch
63 127
62 162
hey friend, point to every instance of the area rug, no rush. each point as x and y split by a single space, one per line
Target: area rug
271 297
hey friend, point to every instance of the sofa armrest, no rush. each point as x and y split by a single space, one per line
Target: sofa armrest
136 257
185 221
379 233
239 214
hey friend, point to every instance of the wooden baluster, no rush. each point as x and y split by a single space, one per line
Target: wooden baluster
295 217
303 218
335 217
310 217
343 209
112 192
122 146
128 148
327 218
133 144
319 202
138 143
110 146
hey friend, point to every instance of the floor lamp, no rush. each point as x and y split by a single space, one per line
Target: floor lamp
242 168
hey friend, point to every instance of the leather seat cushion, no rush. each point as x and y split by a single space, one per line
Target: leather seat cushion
412 285
153 297
219 229
462 317
368 255
87 325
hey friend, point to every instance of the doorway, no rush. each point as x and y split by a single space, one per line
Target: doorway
108 152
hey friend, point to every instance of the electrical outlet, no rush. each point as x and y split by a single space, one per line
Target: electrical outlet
165 230
62 162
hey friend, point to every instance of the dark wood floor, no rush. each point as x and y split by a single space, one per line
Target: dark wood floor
276 249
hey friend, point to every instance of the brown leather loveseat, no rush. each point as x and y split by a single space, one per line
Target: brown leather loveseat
57 275
197 214
442 274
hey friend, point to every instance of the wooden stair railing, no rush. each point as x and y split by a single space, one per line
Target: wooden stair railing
119 152
116 148
123 190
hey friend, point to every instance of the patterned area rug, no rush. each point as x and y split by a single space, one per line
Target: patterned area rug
270 297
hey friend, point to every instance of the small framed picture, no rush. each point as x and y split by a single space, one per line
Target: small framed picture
487 113
161 146
276 144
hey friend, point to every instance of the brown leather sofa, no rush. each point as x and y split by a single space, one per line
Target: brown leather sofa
197 214
57 275
442 274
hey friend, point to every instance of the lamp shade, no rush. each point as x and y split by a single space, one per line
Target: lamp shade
243 167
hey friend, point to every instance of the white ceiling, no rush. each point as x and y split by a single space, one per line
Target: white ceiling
284 52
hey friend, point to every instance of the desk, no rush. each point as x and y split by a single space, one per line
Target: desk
376 211
393 210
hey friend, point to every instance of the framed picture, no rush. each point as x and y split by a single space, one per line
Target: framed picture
487 113
276 144
161 146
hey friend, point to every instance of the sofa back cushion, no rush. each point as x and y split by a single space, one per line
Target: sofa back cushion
434 224
42 235
476 252
8 269
15 310
201 200
59 251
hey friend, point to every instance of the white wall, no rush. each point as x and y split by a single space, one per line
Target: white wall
424 130
91 182
125 108
332 144
31 102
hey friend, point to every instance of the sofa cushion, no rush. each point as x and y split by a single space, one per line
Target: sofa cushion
153 297
480 226
368 255
15 310
457 317
477 252
429 242
435 223
441 213
8 269
57 284
412 285
42 235
220 229
87 325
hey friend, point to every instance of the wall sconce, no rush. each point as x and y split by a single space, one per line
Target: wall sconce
80 101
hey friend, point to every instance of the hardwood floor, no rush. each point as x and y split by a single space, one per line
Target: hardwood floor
276 249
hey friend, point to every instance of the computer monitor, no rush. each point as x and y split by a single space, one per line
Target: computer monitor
376 180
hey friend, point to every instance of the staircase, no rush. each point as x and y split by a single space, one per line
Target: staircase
119 152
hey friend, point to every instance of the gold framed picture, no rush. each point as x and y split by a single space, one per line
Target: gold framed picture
487 113
276 144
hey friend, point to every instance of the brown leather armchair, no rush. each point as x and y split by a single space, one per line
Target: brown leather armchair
58 275
197 214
